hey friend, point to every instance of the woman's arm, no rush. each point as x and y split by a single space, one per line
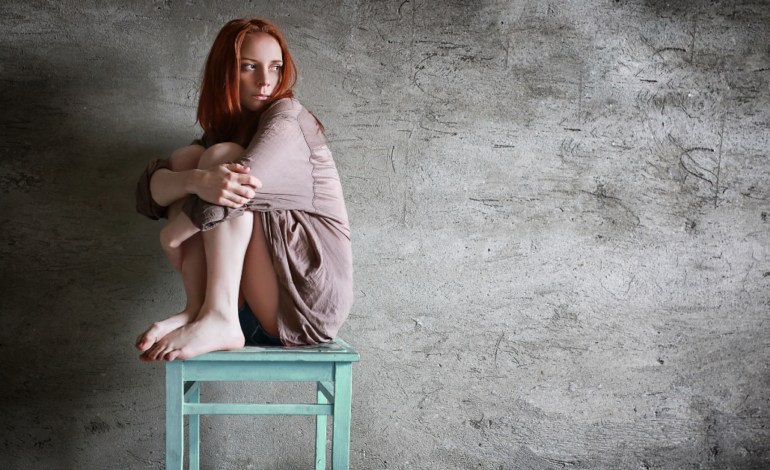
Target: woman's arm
280 155
167 186
225 185
166 181
171 184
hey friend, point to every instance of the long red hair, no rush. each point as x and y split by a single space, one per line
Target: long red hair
219 108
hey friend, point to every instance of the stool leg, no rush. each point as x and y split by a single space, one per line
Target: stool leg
194 429
174 416
320 433
343 388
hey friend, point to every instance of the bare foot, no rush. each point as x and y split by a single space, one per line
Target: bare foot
160 329
173 250
211 331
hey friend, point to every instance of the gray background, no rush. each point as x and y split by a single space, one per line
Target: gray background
559 214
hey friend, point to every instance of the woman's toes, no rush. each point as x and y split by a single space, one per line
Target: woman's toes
164 355
152 353
142 340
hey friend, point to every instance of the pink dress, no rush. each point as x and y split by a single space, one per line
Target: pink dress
303 215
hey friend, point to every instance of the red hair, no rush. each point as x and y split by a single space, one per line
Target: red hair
219 108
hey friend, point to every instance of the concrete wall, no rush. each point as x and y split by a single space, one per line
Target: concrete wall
559 214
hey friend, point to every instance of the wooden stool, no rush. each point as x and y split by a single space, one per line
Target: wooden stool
322 363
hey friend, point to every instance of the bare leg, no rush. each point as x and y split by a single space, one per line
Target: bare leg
259 287
197 337
183 244
259 284
180 228
192 263
173 235
194 279
216 327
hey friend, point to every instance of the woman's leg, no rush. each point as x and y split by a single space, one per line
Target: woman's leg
216 327
215 155
193 261
173 236
180 228
218 318
259 285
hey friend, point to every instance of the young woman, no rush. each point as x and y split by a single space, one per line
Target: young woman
261 234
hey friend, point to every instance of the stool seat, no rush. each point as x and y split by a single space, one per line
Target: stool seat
327 364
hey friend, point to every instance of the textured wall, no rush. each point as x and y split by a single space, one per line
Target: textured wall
559 215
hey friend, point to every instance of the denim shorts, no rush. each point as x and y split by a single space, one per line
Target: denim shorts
253 332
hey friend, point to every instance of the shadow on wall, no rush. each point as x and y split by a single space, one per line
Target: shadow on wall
88 96
75 259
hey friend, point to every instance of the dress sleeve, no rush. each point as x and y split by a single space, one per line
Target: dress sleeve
280 157
145 204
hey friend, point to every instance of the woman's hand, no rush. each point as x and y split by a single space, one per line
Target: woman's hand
227 185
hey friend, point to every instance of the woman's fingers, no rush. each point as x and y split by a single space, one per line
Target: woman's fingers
236 196
235 201
250 181
243 191
228 185
242 175
237 168
239 188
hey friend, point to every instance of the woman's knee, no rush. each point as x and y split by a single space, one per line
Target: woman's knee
218 154
186 158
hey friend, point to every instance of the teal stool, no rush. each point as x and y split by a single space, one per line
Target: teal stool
322 363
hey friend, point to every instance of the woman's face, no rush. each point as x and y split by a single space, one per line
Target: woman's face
260 70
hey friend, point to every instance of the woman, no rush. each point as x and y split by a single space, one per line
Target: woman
263 242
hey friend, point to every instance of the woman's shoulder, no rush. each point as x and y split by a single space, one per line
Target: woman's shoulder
284 106
288 113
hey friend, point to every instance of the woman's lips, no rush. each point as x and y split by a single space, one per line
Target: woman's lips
261 97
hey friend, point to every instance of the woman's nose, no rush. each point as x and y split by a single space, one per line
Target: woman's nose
262 79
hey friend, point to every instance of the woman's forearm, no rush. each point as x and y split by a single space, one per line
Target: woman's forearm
167 186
